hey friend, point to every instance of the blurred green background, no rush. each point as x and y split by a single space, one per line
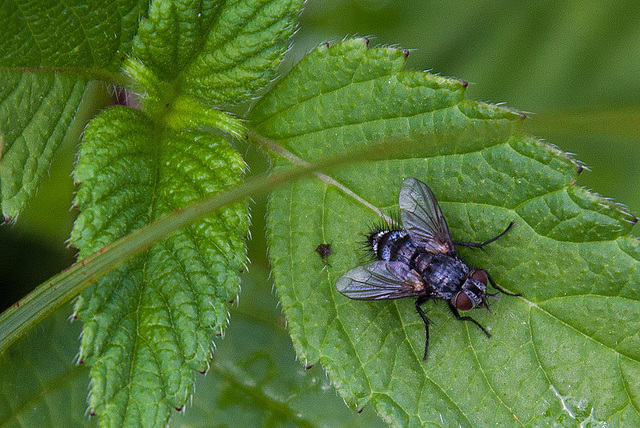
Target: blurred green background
572 65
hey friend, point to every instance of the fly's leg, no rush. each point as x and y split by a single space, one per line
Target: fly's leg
500 289
482 244
455 313
419 302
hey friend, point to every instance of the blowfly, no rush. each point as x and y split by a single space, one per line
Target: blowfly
420 261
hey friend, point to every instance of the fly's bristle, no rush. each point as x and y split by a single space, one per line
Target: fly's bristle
396 221
383 225
366 250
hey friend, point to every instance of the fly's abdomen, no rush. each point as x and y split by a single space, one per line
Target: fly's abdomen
392 245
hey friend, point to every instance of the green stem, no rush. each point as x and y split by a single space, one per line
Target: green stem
52 294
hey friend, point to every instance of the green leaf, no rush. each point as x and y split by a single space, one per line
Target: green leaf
35 113
39 383
65 34
49 51
173 34
565 353
150 323
215 52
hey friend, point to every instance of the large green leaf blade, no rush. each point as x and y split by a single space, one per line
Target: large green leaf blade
49 51
150 324
554 357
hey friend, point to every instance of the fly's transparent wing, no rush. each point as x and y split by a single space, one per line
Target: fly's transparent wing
422 218
380 280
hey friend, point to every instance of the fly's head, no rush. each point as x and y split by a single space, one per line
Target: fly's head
473 292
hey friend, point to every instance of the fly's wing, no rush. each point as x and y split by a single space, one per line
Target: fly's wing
422 218
380 280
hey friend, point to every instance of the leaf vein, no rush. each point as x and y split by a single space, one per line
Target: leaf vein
627 390
88 40
486 378
417 356
377 117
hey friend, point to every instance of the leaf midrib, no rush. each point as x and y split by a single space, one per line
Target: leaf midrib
156 150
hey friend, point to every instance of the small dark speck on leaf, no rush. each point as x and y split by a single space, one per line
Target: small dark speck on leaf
179 408
405 52
308 366
203 371
92 413
360 410
366 41
325 251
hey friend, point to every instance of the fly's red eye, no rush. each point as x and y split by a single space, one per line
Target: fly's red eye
480 276
463 302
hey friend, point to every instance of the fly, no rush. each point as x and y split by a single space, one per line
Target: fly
420 261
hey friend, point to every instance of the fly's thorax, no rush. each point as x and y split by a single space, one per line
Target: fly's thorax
394 245
444 274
